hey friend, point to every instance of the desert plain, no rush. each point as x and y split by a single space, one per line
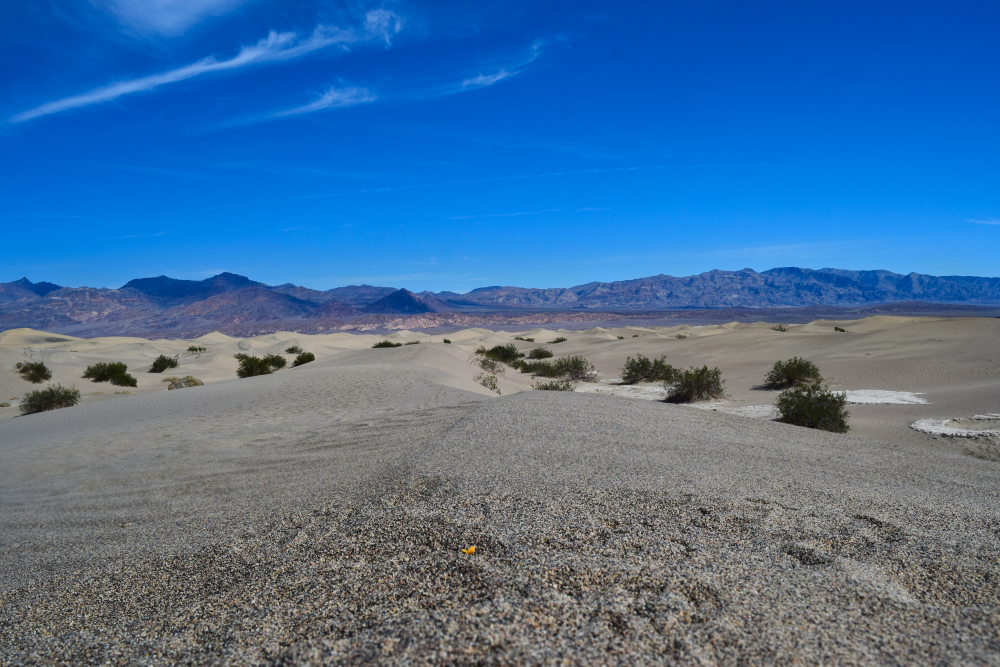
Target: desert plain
326 514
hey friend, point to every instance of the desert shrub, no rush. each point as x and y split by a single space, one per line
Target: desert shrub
275 361
252 366
113 372
50 398
303 358
386 343
575 368
240 356
544 369
813 406
644 369
183 383
621 337
103 372
526 340
695 384
779 327
680 336
554 385
162 363
560 339
195 349
792 372
294 349
446 341
540 353
840 329
4 404
488 381
35 372
635 335
489 364
503 353
412 342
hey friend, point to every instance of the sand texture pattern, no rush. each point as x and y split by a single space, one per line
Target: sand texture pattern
319 516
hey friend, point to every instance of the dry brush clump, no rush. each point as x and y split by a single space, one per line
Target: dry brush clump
644 369
695 384
792 372
50 398
386 343
540 353
574 368
554 385
183 383
294 349
814 406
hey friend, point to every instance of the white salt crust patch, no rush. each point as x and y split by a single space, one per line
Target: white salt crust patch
883 397
977 427
645 393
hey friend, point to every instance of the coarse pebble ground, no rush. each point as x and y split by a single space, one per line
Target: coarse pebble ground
320 518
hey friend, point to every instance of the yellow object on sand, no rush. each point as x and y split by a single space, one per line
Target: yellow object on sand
471 550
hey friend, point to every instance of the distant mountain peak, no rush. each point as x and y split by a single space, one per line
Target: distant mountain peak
401 301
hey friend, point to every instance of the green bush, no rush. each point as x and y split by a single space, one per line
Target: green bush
526 340
779 327
573 368
412 342
294 349
644 369
695 384
252 366
489 364
554 385
540 353
560 339
814 406
195 349
113 372
488 381
35 372
792 372
50 398
386 343
840 329
446 341
503 353
162 363
275 361
240 356
635 335
621 337
680 336
303 358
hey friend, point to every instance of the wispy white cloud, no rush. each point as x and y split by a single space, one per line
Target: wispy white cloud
503 215
484 80
277 46
334 97
167 17
986 222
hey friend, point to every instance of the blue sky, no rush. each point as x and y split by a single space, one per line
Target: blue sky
451 145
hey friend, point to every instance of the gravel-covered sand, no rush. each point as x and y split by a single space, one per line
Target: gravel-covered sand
317 516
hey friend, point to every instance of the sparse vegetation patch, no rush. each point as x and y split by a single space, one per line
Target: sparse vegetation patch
195 349
554 385
303 358
488 381
559 339
50 398
644 369
841 330
504 353
695 384
792 372
573 368
275 361
412 342
386 343
527 340
540 353
294 349
446 341
814 406
779 327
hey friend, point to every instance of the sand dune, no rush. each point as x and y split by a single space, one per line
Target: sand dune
316 515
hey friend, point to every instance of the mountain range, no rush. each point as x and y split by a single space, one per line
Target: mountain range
169 306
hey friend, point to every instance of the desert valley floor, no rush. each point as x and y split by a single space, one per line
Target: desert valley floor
325 513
